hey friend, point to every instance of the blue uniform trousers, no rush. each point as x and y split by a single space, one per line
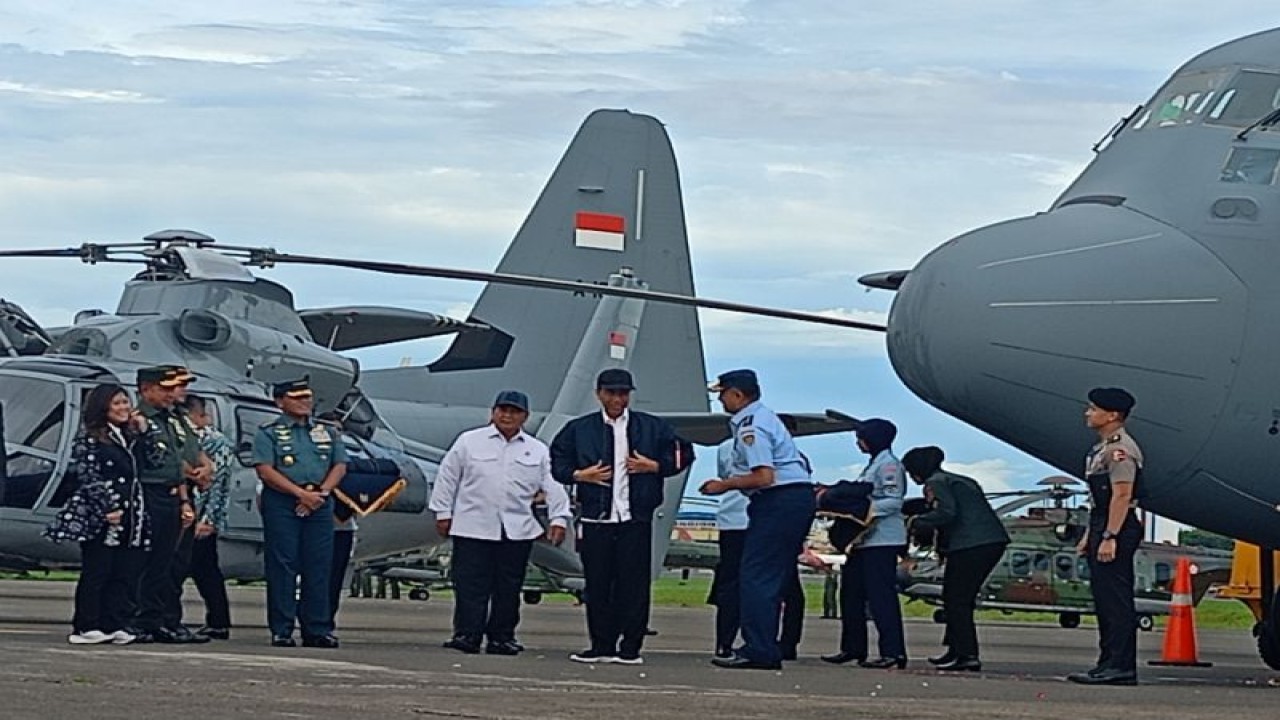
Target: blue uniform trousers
297 547
870 577
780 518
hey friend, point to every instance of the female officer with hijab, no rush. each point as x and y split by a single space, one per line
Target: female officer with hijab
869 576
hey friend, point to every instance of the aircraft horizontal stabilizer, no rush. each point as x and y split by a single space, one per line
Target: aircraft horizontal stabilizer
888 280
713 428
361 326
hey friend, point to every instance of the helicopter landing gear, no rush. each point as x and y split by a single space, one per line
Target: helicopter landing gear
1069 620
940 616
1146 623
532 597
1268 630
420 594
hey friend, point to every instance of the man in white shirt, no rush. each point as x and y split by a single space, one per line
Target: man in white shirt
483 499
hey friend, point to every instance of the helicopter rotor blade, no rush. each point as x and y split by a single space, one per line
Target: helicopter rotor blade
577 286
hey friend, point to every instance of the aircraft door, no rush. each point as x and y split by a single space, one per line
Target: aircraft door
243 519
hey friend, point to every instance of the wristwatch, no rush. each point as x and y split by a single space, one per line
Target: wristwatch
1108 535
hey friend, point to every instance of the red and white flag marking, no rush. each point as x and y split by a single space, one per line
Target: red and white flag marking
600 231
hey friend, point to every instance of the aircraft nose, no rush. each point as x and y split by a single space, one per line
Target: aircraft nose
1007 327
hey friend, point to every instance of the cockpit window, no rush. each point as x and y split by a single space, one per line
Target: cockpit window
1252 166
1184 100
1249 97
34 413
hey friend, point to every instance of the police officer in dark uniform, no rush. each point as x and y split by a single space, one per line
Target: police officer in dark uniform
169 454
1113 470
300 462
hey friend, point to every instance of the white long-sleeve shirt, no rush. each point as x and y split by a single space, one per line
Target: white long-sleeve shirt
486 486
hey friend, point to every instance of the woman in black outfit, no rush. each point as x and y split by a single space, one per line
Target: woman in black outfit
972 540
106 516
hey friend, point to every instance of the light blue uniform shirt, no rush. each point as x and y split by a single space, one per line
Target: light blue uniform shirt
731 514
889 487
761 440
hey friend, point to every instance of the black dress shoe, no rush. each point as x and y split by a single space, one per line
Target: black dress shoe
724 653
962 664
843 657
141 637
214 633
884 663
326 642
506 647
463 645
737 662
943 659
1105 676
282 641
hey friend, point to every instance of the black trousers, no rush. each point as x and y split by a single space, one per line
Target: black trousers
179 571
107 585
343 540
962 578
725 588
1112 586
870 577
617 561
207 574
157 592
487 577
792 612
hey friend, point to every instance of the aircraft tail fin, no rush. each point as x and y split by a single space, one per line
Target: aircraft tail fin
611 208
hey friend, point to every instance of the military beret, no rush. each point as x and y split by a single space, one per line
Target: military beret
292 388
512 398
740 379
1112 399
160 375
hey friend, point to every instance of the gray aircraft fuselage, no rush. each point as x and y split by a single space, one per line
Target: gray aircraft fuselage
1158 270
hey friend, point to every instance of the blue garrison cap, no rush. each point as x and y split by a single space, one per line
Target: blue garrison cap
1112 399
512 398
740 379
300 388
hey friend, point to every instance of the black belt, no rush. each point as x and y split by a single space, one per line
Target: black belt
162 487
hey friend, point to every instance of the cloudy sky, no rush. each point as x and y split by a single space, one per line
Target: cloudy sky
818 140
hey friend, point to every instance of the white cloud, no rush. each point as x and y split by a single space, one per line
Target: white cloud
993 474
68 93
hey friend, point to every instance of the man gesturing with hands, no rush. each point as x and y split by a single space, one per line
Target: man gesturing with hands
615 462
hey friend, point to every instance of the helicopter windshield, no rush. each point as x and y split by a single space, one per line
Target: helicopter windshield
34 412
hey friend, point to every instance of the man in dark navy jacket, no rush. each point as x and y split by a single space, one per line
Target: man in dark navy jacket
615 462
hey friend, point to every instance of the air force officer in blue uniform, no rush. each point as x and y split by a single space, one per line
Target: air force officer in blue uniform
767 467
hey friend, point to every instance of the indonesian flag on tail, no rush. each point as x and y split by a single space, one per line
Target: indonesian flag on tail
600 231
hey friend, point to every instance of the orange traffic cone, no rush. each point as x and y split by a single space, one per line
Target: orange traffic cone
1180 633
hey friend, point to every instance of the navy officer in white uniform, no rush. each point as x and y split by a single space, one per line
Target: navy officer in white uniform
483 499
767 467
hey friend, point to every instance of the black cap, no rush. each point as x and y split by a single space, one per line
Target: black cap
512 398
1112 399
292 388
161 375
614 379
741 379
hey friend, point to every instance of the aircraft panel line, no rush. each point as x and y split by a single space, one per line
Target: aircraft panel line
1059 253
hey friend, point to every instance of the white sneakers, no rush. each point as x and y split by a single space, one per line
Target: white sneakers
97 637
90 637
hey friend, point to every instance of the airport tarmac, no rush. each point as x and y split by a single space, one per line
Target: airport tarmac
391 665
